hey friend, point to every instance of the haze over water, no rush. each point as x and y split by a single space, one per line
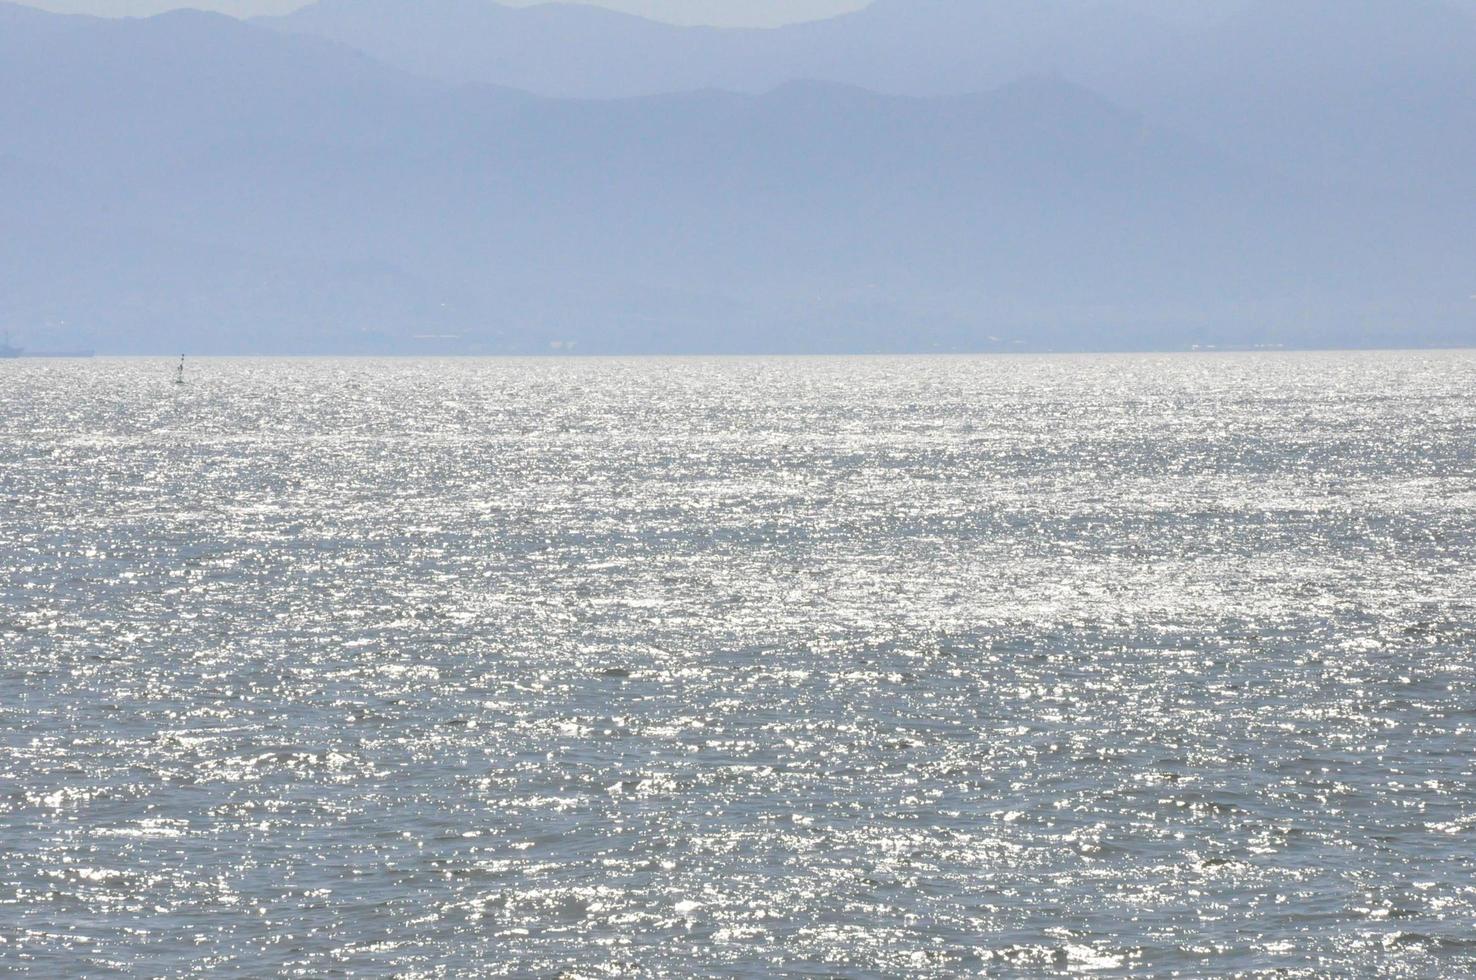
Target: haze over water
844 667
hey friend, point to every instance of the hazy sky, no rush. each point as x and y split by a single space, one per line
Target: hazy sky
728 12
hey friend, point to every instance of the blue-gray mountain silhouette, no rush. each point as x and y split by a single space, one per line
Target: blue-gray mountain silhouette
193 181
1364 89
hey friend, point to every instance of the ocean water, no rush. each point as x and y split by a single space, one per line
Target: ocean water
1018 666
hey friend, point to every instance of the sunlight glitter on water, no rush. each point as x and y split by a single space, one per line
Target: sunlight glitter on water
856 667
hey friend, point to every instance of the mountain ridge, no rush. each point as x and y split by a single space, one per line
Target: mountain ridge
1282 84
199 184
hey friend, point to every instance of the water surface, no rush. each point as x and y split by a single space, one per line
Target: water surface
858 667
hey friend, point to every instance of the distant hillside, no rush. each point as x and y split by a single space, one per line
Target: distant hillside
918 47
1364 90
189 182
1366 93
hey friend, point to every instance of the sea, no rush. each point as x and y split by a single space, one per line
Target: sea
1016 666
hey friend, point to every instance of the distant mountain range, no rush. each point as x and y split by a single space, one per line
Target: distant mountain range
373 176
1363 89
913 47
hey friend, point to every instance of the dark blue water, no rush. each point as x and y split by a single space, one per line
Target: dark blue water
873 667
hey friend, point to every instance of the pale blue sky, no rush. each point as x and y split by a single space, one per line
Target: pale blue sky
728 12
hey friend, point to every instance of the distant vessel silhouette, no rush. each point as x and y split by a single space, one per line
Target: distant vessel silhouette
179 371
